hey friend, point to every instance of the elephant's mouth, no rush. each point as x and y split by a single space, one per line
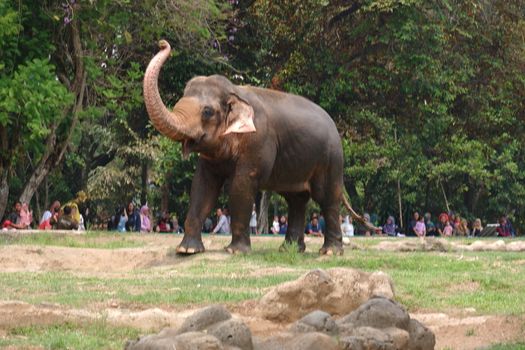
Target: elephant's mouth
189 145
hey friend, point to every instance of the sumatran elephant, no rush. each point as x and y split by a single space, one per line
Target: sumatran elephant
252 138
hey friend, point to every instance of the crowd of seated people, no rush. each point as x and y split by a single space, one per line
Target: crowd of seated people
67 217
131 219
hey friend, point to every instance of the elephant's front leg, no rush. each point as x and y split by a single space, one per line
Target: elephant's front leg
205 189
242 196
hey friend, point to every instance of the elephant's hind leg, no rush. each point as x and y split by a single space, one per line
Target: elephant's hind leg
327 191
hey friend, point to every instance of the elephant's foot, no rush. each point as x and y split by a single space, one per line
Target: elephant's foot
288 245
331 250
190 246
238 248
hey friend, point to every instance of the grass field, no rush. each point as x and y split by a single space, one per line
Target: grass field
487 283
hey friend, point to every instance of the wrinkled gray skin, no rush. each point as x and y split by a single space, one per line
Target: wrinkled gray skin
295 150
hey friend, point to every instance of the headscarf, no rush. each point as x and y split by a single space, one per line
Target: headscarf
145 224
390 229
75 213
443 215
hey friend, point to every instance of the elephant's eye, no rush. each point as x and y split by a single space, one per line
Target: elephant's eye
207 112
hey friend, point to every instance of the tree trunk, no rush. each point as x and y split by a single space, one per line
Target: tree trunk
37 210
262 216
399 204
164 197
4 191
39 174
144 183
55 153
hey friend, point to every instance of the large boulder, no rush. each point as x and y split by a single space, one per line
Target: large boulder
381 323
315 321
186 341
378 313
421 338
204 318
337 291
211 328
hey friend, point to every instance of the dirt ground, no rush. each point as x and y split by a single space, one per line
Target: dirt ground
464 330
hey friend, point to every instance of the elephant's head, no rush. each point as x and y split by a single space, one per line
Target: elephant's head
209 109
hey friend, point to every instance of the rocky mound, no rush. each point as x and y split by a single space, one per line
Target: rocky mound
378 324
368 319
337 291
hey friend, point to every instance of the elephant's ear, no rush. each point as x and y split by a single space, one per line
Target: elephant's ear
240 117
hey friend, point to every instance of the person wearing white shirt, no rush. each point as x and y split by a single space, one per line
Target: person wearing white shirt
223 225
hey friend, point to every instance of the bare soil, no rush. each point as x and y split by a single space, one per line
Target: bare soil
466 330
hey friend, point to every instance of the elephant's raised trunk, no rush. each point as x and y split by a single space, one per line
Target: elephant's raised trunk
171 124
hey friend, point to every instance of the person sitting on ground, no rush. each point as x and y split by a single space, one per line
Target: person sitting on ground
390 227
429 225
223 226
53 208
50 221
504 229
420 229
66 221
13 220
26 216
440 226
208 225
253 222
413 223
363 230
163 224
476 228
509 226
133 223
275 225
145 221
283 225
322 222
461 227
122 220
448 230
176 228
314 228
347 228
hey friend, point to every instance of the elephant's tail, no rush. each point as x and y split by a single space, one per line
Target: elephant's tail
356 216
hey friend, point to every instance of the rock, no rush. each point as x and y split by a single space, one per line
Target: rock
372 333
412 245
482 246
337 291
518 246
362 343
399 337
378 312
204 318
421 338
186 341
316 321
232 332
311 341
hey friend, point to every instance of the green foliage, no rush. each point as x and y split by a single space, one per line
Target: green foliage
427 94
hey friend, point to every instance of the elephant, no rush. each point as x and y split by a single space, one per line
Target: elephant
252 139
